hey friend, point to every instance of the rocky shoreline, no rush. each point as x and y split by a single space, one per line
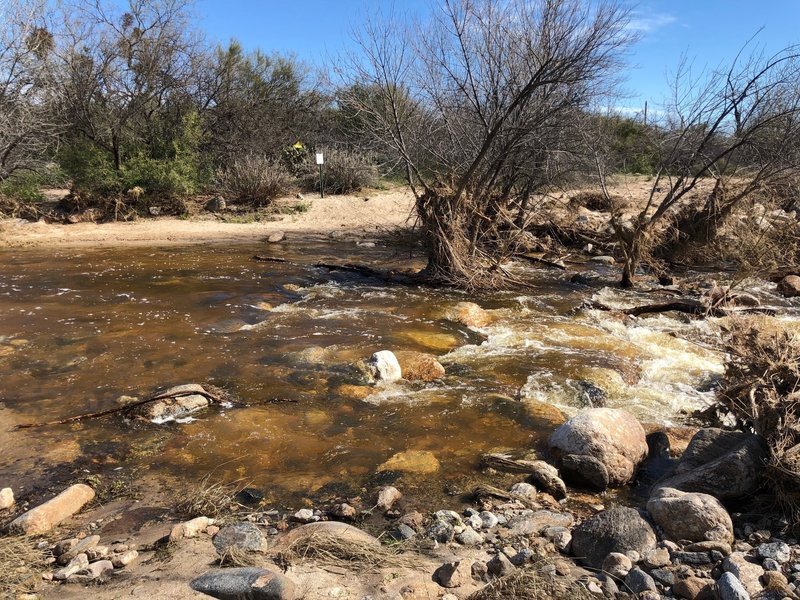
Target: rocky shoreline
682 542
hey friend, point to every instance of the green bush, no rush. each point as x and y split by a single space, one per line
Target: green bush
255 179
345 171
90 168
23 187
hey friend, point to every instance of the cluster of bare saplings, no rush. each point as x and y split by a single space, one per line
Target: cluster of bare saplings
484 109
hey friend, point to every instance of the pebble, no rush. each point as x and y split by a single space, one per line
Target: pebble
488 519
617 565
639 581
730 588
6 498
305 515
523 490
469 537
123 560
657 557
500 565
452 574
770 564
387 496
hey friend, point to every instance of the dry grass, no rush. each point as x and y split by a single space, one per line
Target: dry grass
330 550
761 390
207 499
21 565
236 557
528 584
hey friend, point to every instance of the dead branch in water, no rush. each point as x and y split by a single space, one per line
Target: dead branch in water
692 307
503 462
550 263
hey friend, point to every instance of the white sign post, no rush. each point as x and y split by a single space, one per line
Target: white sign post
320 162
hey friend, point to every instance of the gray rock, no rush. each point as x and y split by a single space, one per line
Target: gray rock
500 565
488 519
724 464
771 564
404 532
617 529
469 537
245 583
479 571
79 563
638 581
690 516
384 366
546 478
522 490
241 536
523 556
691 558
82 546
123 560
778 551
730 588
277 236
561 538
748 573
452 574
441 532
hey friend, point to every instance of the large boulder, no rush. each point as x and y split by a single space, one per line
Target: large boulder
245 583
789 286
619 529
46 516
600 447
690 516
724 464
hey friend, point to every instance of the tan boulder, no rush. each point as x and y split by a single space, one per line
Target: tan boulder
418 366
412 461
789 286
468 314
46 516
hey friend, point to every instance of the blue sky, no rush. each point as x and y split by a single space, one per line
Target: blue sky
707 31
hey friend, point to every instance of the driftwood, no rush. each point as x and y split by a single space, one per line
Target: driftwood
692 307
269 259
488 492
503 462
181 391
539 260
389 276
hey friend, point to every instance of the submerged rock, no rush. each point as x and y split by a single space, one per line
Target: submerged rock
173 403
617 529
245 583
46 516
468 314
690 516
599 446
412 461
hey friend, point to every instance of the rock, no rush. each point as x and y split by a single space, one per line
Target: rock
655 558
274 238
612 437
404 532
123 560
638 581
545 477
305 515
561 538
536 522
724 464
469 537
177 402
64 546
418 366
691 558
605 260
79 563
98 553
98 569
745 571
777 551
617 529
190 529
441 532
693 588
524 491
387 496
412 461
335 529
500 565
384 366
81 547
710 546
617 565
46 516
586 470
216 204
6 498
479 571
468 314
690 516
241 536
344 511
245 583
452 574
789 286
730 588
488 519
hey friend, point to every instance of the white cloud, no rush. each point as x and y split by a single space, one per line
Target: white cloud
650 23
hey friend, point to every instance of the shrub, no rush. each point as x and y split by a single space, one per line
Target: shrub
90 168
23 187
345 171
255 179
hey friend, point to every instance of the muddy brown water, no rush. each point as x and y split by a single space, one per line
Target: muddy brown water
80 328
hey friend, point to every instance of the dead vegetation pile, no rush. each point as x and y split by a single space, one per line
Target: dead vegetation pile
530 584
330 550
21 566
207 499
761 390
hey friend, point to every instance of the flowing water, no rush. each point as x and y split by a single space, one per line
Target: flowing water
80 328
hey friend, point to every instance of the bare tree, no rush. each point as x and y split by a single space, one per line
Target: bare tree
477 110
737 129
29 124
